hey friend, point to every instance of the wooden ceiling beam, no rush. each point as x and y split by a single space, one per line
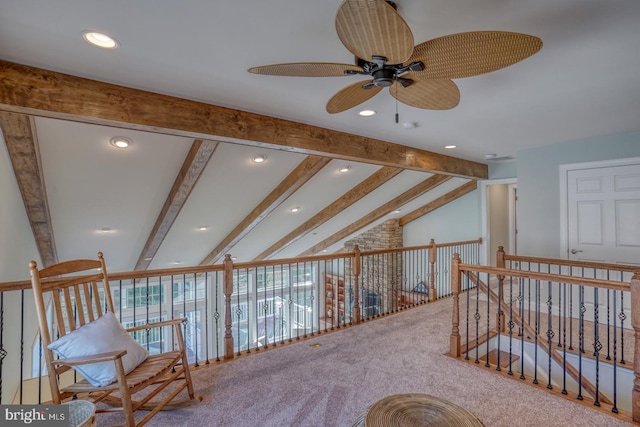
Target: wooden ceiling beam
22 144
439 202
310 166
46 93
349 198
192 167
404 198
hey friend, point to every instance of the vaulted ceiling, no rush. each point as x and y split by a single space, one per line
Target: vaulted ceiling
178 88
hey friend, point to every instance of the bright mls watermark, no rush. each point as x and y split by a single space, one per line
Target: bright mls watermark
34 415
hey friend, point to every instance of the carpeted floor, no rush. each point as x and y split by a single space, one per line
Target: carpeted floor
330 379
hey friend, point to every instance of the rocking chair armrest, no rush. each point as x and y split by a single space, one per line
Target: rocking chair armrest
174 322
94 358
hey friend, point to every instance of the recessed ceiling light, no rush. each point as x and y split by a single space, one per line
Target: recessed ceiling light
344 169
175 262
100 40
120 141
234 258
106 230
367 113
203 228
296 209
148 258
396 211
260 158
449 147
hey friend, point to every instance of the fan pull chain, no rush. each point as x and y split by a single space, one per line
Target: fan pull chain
397 115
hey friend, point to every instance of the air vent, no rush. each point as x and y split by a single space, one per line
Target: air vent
497 158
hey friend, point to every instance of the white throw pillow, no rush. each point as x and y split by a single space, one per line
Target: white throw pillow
100 336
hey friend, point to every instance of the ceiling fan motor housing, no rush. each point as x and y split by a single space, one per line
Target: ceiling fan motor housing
383 77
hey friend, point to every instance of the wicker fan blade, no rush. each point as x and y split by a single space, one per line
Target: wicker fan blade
306 69
351 96
428 94
470 54
370 28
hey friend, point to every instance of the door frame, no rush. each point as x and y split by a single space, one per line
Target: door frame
564 191
485 255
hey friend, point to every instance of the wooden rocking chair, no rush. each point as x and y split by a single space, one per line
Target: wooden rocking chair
83 323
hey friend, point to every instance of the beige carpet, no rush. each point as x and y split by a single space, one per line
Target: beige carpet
329 380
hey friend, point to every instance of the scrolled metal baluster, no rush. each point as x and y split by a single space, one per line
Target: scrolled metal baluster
564 339
511 324
608 324
550 333
521 329
477 316
580 340
489 321
536 317
615 354
597 346
466 357
622 316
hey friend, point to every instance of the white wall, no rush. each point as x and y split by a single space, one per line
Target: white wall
539 192
23 247
456 221
21 250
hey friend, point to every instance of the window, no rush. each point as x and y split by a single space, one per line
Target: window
138 296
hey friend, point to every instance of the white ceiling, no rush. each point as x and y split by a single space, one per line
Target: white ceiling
582 84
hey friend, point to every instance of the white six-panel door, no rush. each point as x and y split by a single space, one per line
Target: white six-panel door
603 214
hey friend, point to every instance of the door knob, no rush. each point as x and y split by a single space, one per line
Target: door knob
575 251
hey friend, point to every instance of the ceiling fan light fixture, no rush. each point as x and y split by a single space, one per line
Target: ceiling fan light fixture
367 113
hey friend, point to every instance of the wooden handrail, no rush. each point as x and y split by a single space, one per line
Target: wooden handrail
565 262
596 283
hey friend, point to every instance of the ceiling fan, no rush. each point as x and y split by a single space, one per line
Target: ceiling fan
419 76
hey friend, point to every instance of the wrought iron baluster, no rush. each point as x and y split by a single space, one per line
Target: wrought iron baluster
477 317
536 317
550 333
488 319
597 346
580 339
615 365
520 330
564 339
622 316
466 276
511 324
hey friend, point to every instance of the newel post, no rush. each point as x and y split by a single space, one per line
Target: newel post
355 270
635 323
228 290
454 341
500 257
432 271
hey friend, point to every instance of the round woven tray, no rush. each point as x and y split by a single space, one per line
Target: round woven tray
416 409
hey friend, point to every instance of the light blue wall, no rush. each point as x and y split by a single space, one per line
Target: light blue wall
456 221
538 173
508 169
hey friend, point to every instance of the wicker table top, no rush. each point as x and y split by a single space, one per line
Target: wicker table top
415 409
